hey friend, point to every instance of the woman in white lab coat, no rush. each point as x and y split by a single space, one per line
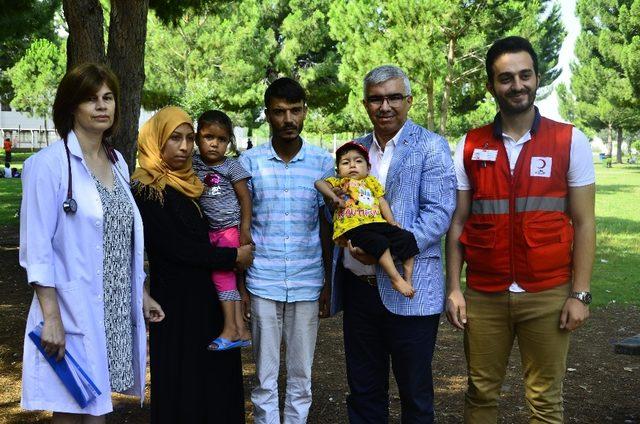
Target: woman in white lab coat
81 244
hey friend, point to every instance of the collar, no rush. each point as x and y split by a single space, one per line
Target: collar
74 145
297 157
497 124
393 141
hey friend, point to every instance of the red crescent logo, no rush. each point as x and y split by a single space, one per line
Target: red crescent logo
544 164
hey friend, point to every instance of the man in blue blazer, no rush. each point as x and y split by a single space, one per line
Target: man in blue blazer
381 326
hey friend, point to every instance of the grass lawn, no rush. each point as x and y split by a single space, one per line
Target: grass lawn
10 194
616 271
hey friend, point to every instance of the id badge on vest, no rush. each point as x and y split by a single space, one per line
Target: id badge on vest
484 155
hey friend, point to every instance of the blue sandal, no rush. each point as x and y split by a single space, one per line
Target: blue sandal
245 343
220 343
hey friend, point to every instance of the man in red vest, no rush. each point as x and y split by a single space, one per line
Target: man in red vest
525 226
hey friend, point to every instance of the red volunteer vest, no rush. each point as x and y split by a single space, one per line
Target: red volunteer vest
518 229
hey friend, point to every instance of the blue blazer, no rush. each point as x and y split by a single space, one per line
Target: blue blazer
421 190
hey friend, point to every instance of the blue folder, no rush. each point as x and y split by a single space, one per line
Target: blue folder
74 378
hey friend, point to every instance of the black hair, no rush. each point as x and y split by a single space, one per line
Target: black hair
7 164
285 88
217 117
513 44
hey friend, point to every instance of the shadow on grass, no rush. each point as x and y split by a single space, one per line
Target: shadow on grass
614 188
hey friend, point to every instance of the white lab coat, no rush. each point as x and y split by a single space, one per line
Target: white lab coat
65 251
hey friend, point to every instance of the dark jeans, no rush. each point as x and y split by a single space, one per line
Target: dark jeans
374 338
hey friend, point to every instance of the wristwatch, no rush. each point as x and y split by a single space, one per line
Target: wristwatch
582 296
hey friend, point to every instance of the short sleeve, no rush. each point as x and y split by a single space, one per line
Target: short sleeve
374 185
581 170
245 161
333 181
458 163
237 171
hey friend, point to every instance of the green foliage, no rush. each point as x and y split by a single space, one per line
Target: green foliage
21 23
630 54
602 91
35 77
209 61
442 45
225 60
170 11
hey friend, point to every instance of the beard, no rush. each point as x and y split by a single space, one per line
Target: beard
509 108
297 129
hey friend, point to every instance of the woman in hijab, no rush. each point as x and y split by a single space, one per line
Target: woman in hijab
188 382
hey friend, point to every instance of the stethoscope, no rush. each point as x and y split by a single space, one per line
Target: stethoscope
70 206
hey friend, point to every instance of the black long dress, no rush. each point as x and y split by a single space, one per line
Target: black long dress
189 384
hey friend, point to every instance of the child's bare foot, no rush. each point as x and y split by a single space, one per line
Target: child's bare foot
402 286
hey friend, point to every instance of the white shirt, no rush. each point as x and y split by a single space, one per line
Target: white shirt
380 160
65 251
581 171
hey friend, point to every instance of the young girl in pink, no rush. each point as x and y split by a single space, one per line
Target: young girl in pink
227 205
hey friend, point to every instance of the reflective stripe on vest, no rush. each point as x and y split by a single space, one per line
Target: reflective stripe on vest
490 207
523 204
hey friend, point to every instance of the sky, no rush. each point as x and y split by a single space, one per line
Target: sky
549 106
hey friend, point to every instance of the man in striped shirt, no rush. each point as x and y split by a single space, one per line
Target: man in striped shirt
292 238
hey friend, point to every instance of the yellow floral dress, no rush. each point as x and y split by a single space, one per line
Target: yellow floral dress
362 206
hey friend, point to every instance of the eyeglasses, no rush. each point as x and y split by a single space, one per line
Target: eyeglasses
394 100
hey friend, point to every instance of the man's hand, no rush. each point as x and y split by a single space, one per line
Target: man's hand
457 309
360 255
574 314
245 237
338 200
152 310
325 300
244 258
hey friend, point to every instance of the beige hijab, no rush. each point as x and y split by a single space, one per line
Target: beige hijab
153 173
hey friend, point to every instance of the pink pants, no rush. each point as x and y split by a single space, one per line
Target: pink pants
224 280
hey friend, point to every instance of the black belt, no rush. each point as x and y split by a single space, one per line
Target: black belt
369 279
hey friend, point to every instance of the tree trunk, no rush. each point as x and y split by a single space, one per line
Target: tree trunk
86 34
619 150
46 130
125 54
610 140
444 107
430 105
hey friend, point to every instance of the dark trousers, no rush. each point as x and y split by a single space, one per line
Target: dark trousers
377 237
374 338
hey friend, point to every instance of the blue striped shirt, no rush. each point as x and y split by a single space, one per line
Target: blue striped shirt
285 228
